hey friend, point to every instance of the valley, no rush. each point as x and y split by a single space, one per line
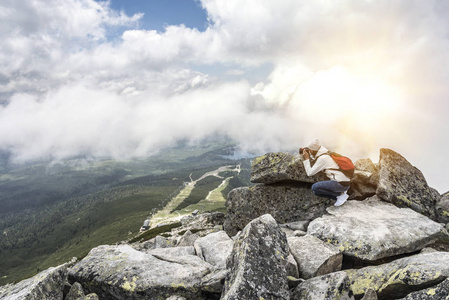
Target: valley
51 212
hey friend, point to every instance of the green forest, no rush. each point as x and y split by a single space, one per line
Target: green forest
53 211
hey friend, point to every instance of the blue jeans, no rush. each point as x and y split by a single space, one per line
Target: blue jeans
329 189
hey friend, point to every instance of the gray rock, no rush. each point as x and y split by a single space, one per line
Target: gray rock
442 209
188 239
370 294
298 225
371 229
365 180
176 298
215 248
174 251
440 291
314 257
404 185
292 266
330 286
257 263
214 281
154 243
76 291
299 233
286 203
280 167
48 284
402 276
121 272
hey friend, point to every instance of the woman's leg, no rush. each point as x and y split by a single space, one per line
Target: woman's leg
329 189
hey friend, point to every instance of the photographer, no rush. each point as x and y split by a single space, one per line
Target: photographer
317 159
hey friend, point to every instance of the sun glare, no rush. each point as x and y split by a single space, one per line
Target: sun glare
337 95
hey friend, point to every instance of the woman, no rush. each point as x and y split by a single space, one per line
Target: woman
317 159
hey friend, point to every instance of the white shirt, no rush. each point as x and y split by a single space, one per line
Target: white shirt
326 163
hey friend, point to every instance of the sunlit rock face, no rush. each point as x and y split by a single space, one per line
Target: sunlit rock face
371 229
404 185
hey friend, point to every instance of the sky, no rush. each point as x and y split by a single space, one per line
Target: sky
128 78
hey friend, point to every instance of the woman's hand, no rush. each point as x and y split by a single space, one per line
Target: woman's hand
305 154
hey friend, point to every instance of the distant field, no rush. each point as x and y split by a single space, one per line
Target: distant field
49 214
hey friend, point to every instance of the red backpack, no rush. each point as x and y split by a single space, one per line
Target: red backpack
344 163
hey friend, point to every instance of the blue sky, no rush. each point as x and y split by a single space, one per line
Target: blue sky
160 13
80 77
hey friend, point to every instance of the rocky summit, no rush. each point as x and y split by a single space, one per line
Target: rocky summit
278 241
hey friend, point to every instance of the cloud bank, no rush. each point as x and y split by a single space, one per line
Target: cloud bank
78 78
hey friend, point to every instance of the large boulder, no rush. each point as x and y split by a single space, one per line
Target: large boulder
280 167
214 248
314 257
442 209
440 291
285 202
404 185
257 263
402 276
365 180
371 229
333 286
48 284
121 272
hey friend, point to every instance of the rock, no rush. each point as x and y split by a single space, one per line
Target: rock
280 167
286 203
174 251
176 298
440 291
292 266
365 180
154 243
215 248
402 276
371 229
121 272
257 263
299 225
330 286
370 294
404 185
48 284
204 221
299 233
213 282
294 282
428 250
314 257
76 291
188 239
442 209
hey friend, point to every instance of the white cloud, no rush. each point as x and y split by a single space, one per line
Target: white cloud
360 75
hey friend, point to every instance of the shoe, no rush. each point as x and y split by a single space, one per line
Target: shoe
341 199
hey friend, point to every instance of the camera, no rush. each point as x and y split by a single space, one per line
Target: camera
301 150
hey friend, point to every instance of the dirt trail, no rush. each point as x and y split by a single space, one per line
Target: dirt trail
165 215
